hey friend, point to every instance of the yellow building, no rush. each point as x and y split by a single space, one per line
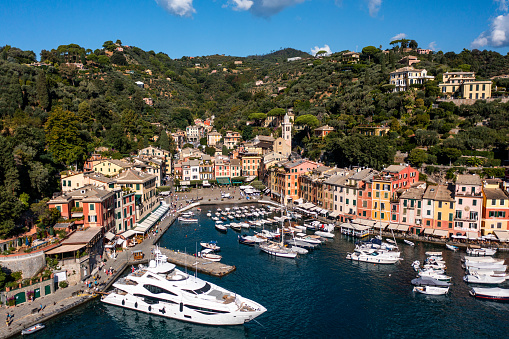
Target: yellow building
381 202
464 85
443 211
111 167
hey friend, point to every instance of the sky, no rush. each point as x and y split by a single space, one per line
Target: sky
247 27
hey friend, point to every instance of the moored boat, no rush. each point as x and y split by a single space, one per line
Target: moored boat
408 242
247 240
431 290
33 329
187 220
495 293
208 254
211 245
161 289
451 247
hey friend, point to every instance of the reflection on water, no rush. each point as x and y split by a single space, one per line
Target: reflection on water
315 296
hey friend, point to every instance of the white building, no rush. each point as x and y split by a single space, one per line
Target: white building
404 77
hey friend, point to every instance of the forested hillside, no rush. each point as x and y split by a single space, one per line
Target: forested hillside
55 112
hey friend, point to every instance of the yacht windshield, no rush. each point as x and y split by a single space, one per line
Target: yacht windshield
204 289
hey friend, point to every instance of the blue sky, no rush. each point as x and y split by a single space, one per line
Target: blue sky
244 27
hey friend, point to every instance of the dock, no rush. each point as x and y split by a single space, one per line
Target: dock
192 263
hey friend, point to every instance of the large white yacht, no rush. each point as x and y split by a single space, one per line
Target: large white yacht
163 290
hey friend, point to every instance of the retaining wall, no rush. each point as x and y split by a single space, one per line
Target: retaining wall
30 264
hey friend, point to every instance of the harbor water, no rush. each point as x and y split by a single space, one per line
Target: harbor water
318 295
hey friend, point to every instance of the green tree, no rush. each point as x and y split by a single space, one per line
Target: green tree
84 112
63 137
417 157
277 112
257 117
164 141
210 151
10 210
41 86
308 120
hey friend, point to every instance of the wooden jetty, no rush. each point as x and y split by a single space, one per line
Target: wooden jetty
201 265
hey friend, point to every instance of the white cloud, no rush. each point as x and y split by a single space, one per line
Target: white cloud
398 36
263 8
317 49
241 5
374 7
496 36
503 5
432 45
178 7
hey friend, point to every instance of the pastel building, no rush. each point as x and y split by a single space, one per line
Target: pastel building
468 198
495 211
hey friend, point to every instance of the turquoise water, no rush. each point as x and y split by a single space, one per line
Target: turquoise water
320 295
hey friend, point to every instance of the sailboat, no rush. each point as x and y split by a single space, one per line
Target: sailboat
278 249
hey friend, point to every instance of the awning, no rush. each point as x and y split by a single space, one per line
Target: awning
472 235
65 249
223 181
206 183
428 231
379 226
334 214
502 235
393 227
185 183
441 233
403 228
109 236
298 201
120 241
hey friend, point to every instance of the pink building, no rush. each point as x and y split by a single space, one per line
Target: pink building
468 199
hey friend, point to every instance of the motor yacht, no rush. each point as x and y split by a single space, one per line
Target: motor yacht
375 257
161 289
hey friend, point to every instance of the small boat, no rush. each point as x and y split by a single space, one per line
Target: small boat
435 275
390 241
480 259
452 247
223 218
211 245
433 254
408 242
215 218
484 279
33 329
495 293
187 220
428 281
325 234
209 214
235 227
220 227
209 255
246 240
481 251
431 290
